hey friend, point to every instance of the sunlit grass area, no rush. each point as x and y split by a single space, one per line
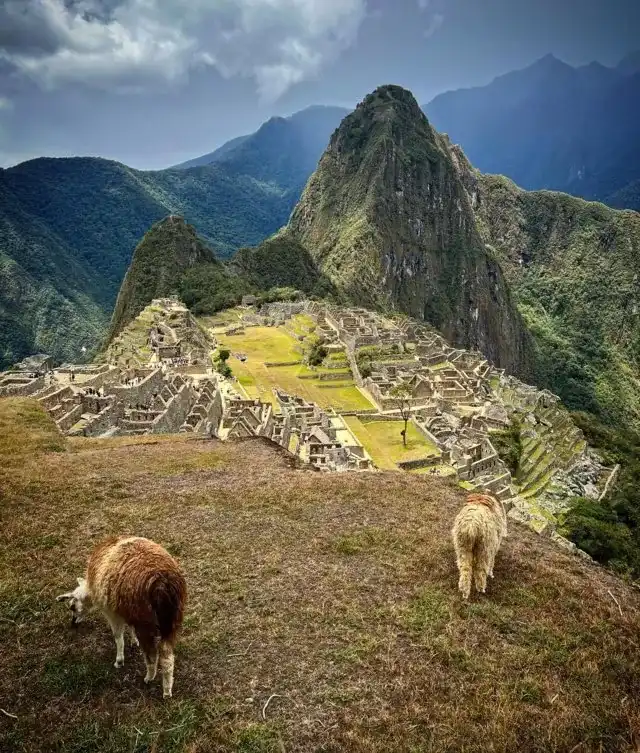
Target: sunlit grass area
263 345
383 441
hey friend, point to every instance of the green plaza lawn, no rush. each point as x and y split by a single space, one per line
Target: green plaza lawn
383 441
263 345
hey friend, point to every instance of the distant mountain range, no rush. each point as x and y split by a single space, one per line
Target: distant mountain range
68 227
553 126
284 151
547 126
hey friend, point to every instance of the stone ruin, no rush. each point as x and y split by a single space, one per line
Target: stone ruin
457 399
162 396
156 377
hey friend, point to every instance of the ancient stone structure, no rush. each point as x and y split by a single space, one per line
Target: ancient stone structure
156 377
457 399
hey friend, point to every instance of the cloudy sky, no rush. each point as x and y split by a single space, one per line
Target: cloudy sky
155 82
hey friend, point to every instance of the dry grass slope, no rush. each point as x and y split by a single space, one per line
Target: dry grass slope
332 595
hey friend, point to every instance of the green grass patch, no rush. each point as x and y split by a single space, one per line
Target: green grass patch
359 542
275 345
20 606
428 612
265 344
382 440
167 729
258 738
356 652
26 429
76 675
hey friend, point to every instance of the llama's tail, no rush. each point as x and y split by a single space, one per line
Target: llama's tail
168 596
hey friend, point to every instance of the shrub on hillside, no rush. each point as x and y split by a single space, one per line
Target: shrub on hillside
610 530
316 351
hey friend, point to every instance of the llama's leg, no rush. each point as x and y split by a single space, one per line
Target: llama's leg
480 578
482 567
149 648
166 668
132 635
492 561
465 566
117 627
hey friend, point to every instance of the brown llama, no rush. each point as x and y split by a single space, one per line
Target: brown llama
138 586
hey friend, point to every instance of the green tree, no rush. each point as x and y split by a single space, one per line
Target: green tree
317 352
221 358
403 396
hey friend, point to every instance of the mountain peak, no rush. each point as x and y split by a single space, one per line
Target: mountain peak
549 63
389 118
394 97
165 252
388 220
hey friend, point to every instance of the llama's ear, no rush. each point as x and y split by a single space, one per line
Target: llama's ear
81 581
63 597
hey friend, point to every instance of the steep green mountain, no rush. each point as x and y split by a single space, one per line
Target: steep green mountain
282 262
572 266
388 222
552 126
68 228
47 296
163 256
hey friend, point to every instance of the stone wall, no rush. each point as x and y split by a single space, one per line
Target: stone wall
70 418
178 408
412 465
142 392
56 398
105 420
21 388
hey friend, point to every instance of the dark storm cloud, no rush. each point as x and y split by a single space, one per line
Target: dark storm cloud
203 71
25 27
278 43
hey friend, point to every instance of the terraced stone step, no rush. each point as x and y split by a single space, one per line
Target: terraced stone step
539 482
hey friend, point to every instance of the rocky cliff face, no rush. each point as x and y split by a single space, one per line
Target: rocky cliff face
388 221
159 262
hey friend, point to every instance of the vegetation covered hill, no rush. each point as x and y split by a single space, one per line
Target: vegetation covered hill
553 126
173 259
49 299
572 267
159 262
68 228
323 611
283 151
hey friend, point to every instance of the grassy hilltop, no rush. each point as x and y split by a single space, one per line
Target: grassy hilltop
333 595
